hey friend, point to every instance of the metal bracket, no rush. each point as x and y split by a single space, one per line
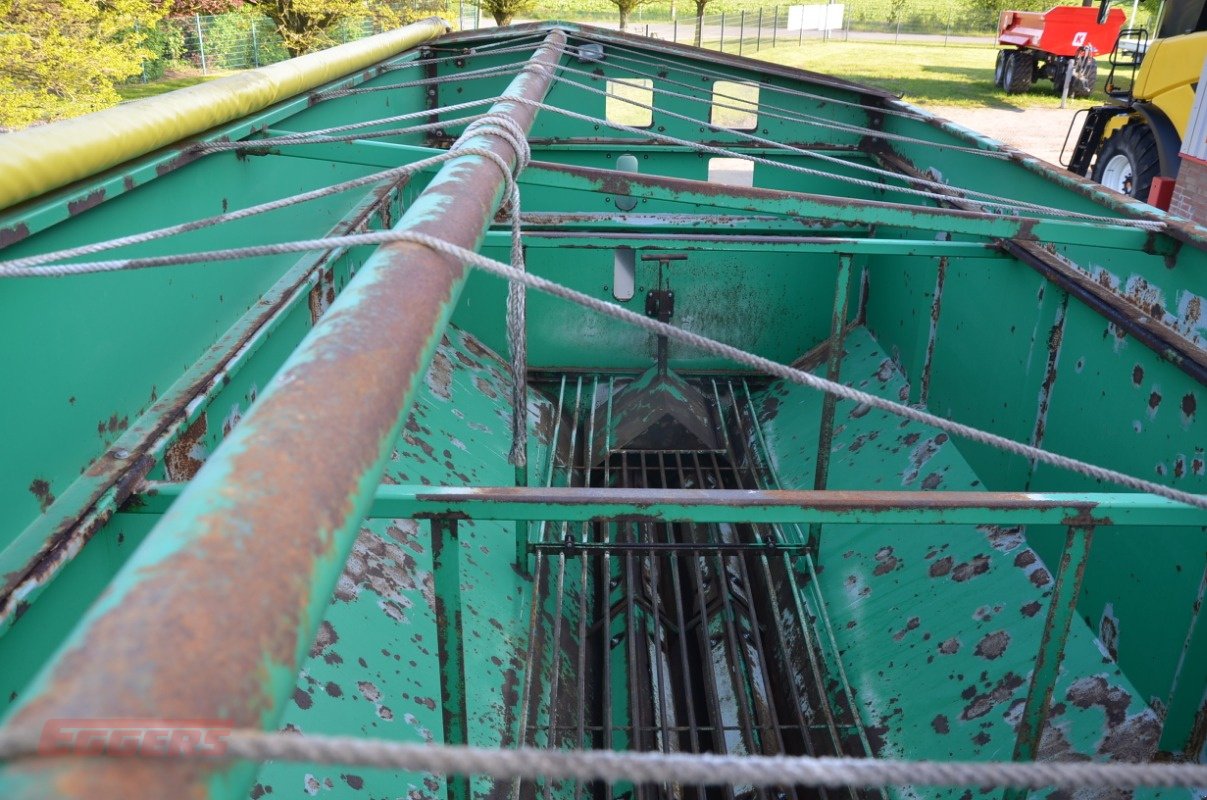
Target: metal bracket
660 304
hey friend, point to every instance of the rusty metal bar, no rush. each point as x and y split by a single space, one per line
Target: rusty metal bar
1062 608
825 434
845 210
446 573
608 234
212 616
936 308
595 504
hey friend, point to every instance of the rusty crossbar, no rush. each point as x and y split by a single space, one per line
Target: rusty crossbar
772 506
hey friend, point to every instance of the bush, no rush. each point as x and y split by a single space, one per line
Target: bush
166 45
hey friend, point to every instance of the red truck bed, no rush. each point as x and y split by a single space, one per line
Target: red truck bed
1062 30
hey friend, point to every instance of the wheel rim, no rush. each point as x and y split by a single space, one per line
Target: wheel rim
1118 174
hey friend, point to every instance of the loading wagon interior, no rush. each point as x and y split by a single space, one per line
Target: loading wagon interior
929 624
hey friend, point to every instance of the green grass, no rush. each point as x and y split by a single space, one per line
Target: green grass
137 91
957 75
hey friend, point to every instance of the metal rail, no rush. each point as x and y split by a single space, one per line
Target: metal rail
290 487
782 506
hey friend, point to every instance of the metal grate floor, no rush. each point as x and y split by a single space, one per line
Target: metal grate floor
678 637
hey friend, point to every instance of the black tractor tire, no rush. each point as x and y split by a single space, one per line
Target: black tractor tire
1085 75
999 69
1128 161
1019 72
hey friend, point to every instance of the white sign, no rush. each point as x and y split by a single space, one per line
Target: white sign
826 17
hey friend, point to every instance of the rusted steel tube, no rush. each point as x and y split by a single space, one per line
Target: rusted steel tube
213 615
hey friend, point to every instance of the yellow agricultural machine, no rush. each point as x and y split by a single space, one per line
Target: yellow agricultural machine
1137 134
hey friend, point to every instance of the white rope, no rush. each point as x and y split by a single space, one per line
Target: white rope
517 337
648 768
943 195
702 343
529 46
310 137
427 112
764 110
471 74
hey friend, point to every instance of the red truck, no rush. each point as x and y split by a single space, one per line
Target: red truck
1050 44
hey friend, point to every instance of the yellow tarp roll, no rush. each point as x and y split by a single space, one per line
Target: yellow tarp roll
36 160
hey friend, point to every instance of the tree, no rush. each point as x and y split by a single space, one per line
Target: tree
186 8
627 7
61 58
700 4
308 25
504 11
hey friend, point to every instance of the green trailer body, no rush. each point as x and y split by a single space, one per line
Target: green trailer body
278 491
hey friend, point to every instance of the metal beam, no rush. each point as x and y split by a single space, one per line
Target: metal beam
1062 609
679 223
825 434
212 616
783 506
745 243
814 207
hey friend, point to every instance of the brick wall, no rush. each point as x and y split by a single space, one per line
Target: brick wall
1190 193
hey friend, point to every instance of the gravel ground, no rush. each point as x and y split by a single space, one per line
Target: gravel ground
1038 131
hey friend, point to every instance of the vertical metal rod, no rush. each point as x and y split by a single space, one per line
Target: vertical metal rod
722 45
608 433
775 23
555 670
201 44
758 37
604 595
719 741
560 594
1061 610
632 673
584 590
660 694
713 712
739 659
843 681
1196 609
741 31
446 569
936 306
584 593
522 548
825 436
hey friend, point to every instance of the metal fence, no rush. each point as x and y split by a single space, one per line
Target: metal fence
753 28
242 40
